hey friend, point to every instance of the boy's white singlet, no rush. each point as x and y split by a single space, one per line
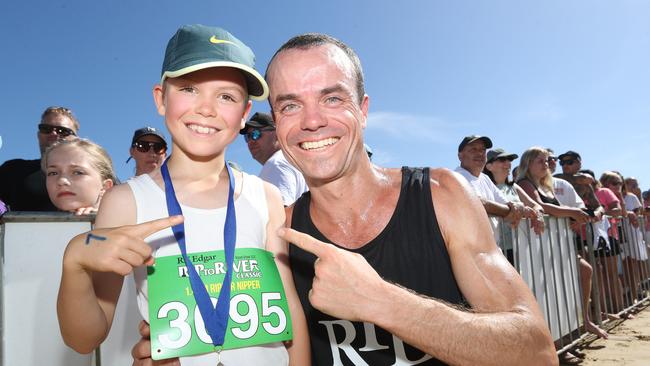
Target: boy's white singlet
203 232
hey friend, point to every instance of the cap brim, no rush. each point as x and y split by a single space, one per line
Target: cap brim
257 87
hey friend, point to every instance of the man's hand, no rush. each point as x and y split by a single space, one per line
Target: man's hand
141 352
345 286
116 250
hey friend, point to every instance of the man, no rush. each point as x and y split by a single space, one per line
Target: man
571 163
385 230
382 294
259 133
22 183
148 149
564 191
472 153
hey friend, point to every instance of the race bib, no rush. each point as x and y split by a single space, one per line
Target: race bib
259 313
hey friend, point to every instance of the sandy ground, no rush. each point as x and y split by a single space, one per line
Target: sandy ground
628 343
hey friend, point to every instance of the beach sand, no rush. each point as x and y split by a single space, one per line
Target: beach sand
628 343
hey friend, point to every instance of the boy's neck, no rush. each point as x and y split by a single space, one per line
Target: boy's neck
184 167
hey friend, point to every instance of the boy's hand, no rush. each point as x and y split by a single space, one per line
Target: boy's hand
116 250
141 352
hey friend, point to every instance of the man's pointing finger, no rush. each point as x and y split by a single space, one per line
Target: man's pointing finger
303 241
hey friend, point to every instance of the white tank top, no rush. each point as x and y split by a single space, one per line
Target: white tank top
203 232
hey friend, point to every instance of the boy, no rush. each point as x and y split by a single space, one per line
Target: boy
207 79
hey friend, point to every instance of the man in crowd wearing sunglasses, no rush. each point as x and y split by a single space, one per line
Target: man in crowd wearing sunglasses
148 149
472 154
571 163
22 183
262 142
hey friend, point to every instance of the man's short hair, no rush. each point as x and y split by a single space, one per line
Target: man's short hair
62 111
310 40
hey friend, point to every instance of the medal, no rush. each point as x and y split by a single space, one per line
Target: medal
215 318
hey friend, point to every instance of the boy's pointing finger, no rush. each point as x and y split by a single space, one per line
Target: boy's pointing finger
145 229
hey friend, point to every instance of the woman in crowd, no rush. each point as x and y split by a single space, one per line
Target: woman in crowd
632 238
534 177
78 173
498 169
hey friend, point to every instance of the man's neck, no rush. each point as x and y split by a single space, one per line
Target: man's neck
352 210
475 172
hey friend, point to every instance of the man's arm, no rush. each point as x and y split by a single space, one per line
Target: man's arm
505 326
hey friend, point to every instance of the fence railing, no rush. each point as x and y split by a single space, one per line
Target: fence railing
32 246
581 275
617 266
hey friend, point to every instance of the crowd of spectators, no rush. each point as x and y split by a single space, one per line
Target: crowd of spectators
73 173
575 194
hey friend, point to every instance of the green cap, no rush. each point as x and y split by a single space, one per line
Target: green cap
197 47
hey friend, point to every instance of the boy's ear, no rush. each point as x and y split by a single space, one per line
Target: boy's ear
247 111
159 99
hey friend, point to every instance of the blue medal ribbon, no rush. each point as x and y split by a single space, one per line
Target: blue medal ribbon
216 317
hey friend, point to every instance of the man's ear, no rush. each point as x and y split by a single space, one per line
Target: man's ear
365 103
159 98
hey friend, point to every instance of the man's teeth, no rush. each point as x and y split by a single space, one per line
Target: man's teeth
202 129
312 145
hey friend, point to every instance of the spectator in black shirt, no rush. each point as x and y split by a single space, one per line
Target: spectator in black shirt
22 183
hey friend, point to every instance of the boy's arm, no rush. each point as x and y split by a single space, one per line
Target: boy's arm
299 351
94 264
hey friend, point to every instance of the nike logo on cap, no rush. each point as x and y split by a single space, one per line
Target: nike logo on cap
216 40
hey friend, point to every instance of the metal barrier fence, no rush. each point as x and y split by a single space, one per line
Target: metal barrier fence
593 274
32 246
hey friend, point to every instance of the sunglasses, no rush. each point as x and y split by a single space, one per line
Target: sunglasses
145 146
551 159
60 130
255 134
567 162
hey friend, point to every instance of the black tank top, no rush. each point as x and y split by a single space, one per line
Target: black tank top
409 251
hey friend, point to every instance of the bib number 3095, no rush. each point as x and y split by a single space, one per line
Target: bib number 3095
259 313
246 324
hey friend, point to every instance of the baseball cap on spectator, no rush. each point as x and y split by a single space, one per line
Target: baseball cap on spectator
259 120
497 153
197 47
646 195
144 131
471 138
569 154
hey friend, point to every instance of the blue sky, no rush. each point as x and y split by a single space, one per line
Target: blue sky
561 74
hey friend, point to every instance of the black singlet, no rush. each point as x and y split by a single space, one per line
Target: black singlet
409 251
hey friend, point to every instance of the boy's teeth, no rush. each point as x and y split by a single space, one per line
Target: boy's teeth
202 129
312 145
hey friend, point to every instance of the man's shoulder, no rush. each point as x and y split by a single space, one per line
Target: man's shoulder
20 166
